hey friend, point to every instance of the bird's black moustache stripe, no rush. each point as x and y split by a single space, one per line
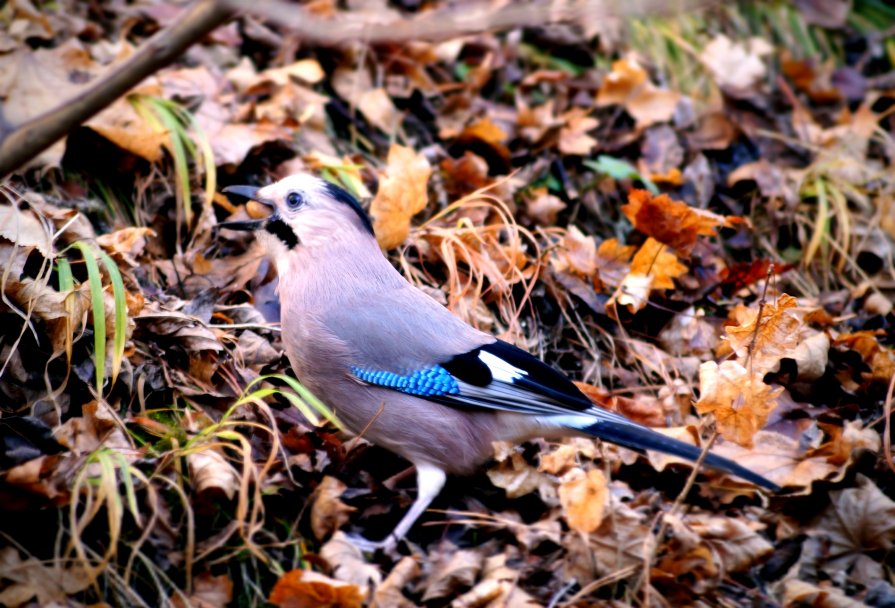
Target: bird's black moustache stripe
282 231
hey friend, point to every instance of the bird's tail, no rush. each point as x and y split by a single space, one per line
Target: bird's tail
636 437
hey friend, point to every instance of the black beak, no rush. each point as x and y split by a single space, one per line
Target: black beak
242 194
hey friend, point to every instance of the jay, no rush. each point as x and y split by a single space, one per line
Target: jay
394 363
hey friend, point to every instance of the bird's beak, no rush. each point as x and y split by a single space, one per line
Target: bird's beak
257 208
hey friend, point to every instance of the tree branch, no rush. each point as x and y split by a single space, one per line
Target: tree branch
29 139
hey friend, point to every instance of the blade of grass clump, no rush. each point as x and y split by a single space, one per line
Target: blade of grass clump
303 399
821 222
99 312
119 333
67 286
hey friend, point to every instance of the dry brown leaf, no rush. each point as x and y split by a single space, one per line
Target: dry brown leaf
329 513
388 594
879 358
543 207
584 497
348 563
209 470
735 542
627 85
519 478
459 571
576 253
776 337
46 581
781 459
402 194
573 137
740 401
802 593
613 261
673 223
24 229
497 589
306 589
858 521
688 333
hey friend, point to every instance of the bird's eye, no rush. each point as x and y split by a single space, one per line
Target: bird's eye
294 200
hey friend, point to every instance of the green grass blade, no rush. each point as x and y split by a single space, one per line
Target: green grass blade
99 312
119 329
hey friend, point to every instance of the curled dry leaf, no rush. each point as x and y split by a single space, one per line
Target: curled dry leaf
740 401
307 589
24 229
583 497
673 223
328 512
402 194
209 470
348 563
32 578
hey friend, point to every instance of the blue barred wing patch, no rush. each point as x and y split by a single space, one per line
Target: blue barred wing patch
431 382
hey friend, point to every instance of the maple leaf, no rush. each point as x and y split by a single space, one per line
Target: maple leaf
777 335
740 401
402 194
627 85
673 223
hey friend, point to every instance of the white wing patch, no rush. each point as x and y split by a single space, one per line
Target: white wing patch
500 369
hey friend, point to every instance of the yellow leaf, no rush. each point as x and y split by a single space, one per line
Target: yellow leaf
402 194
583 498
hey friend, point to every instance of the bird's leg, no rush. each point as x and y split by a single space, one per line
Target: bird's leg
429 480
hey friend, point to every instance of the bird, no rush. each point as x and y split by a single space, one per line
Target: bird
399 367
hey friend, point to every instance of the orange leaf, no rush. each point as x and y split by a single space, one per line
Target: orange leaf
306 589
672 222
655 259
584 498
739 400
402 194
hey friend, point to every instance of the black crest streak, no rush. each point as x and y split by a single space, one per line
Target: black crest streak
282 231
343 196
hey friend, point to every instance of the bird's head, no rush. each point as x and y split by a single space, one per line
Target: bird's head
301 211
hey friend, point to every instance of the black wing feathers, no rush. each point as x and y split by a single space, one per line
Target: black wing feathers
538 377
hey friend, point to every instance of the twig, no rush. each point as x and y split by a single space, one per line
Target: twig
29 139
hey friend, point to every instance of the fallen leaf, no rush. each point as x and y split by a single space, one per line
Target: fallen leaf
673 223
307 589
656 260
388 594
740 401
627 85
763 342
573 137
402 194
459 571
209 591
348 563
583 497
209 470
737 67
329 513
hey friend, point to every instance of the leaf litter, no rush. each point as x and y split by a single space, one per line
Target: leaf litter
695 224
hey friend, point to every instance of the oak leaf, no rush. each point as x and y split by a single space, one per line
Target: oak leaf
584 497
